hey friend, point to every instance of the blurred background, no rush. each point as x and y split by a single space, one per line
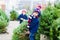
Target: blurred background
8 5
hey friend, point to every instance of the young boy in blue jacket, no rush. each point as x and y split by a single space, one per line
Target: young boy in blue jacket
38 9
33 23
22 17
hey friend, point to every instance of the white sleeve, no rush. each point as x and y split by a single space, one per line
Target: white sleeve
30 17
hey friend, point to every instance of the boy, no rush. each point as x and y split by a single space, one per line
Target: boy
38 9
33 23
22 17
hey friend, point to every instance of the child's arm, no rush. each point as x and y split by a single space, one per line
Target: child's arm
29 21
19 17
25 18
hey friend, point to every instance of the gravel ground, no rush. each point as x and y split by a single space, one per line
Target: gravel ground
12 25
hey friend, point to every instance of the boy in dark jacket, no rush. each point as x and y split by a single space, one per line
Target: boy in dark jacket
22 17
33 23
38 9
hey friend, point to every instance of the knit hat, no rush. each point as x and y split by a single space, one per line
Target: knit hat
37 10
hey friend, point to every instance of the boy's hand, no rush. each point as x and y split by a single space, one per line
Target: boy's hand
21 18
27 26
25 20
30 17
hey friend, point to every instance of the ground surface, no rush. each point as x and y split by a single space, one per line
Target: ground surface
12 25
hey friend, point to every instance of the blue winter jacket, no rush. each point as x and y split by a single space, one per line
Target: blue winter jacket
34 25
22 16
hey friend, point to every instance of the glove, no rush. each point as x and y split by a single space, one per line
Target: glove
30 17
27 26
25 20
21 18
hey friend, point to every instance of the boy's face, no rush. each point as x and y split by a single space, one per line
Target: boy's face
35 13
24 13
